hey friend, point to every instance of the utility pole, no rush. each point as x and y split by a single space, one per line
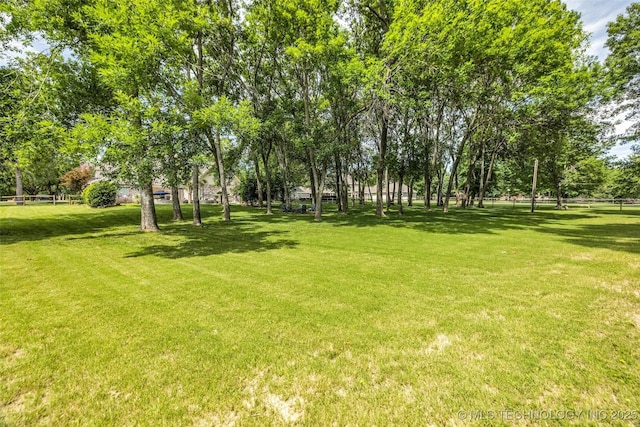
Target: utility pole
533 191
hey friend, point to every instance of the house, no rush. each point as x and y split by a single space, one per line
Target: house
305 194
209 191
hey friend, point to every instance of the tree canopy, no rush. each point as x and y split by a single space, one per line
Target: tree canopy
456 99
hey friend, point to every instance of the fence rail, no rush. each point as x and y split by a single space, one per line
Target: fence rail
575 202
30 199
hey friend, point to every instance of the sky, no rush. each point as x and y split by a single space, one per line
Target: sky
595 15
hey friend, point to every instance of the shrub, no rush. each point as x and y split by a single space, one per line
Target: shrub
100 194
77 178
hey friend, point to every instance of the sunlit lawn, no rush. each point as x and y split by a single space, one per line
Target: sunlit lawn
353 321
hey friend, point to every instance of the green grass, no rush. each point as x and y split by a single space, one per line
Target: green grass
271 320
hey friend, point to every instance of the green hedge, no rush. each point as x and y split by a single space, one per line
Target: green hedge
100 194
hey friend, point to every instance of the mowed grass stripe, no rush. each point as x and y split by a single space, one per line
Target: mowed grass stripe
278 320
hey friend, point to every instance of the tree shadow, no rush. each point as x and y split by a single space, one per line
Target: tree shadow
187 241
247 231
84 221
459 221
616 237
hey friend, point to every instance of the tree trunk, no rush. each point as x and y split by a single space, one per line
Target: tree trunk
400 181
267 171
197 219
362 187
559 204
259 184
386 180
353 189
428 176
19 190
440 201
175 201
312 180
471 178
410 192
485 182
482 169
148 219
456 161
457 187
217 152
345 192
381 167
393 193
427 189
338 183
453 177
281 154
318 180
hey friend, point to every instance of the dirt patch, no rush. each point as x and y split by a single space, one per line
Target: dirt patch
636 319
291 410
439 344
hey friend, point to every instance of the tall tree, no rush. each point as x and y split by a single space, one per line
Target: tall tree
311 39
371 22
129 42
624 66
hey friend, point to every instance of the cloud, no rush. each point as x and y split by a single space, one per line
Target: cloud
595 15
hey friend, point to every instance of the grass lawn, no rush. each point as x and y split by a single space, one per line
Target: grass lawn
426 319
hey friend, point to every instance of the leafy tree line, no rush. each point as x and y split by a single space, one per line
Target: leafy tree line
450 98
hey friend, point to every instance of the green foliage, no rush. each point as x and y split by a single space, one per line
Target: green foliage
34 121
227 118
586 178
7 181
626 176
155 85
248 189
100 194
75 179
624 66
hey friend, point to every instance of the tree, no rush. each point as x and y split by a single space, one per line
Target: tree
33 136
626 177
476 64
623 64
311 39
586 177
77 178
372 21
222 122
129 43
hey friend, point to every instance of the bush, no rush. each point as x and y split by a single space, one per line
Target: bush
75 179
100 194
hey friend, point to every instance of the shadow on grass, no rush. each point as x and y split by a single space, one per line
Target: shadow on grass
83 221
186 241
247 230
178 239
457 220
616 237
613 236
